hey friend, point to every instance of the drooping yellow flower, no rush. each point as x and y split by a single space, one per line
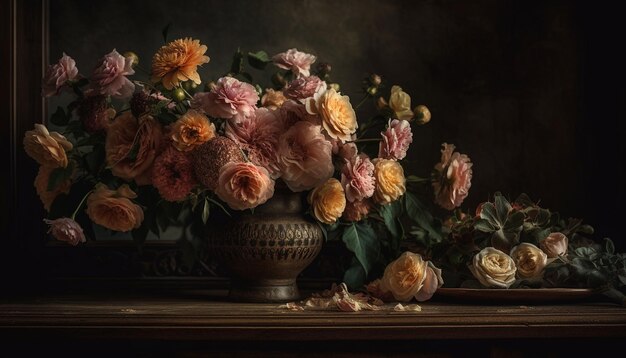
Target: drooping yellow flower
178 62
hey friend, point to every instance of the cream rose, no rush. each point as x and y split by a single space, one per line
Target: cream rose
47 148
400 102
338 117
529 260
554 245
390 181
493 268
410 276
113 209
328 201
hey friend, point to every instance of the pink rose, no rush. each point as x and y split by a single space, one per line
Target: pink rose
110 77
396 140
58 75
298 62
305 156
66 229
346 151
258 136
229 98
357 178
453 178
304 87
554 245
244 185
357 210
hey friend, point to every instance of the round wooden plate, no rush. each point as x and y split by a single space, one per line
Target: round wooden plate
529 295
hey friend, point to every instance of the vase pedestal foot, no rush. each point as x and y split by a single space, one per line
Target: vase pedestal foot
264 291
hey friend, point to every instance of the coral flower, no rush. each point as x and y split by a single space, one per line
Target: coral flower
244 185
172 174
113 209
66 229
178 62
453 178
191 130
47 148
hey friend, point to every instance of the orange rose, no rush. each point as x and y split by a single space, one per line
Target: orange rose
338 117
131 146
178 61
390 181
191 130
273 99
47 148
113 209
328 201
41 184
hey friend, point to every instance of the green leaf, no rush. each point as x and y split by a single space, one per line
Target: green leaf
259 59
502 207
484 226
488 213
355 276
416 179
421 216
59 118
236 65
514 222
206 210
503 240
390 213
361 240
609 246
166 31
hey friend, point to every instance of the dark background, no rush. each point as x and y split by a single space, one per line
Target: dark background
532 91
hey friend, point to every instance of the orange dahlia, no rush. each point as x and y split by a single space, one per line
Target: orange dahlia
178 61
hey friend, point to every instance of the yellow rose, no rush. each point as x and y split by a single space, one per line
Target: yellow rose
390 181
400 102
41 184
529 259
191 130
493 268
410 276
48 149
328 201
338 117
113 209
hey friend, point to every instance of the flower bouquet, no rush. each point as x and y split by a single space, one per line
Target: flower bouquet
140 155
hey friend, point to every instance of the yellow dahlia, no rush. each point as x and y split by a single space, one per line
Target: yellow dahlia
178 61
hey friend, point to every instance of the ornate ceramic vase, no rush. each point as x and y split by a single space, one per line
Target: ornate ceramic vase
267 250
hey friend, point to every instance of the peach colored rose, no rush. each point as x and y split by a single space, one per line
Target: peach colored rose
493 268
58 75
273 99
400 102
41 184
113 209
305 157
298 62
338 117
390 181
554 245
47 148
407 276
191 130
529 260
396 140
453 178
374 288
357 210
357 178
244 185
66 229
328 201
110 77
131 146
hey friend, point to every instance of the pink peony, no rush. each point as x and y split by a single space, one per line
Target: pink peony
396 140
292 112
58 75
305 156
66 229
244 185
357 178
229 98
298 62
453 178
172 174
110 77
304 87
258 136
357 210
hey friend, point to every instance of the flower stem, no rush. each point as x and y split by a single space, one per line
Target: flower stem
362 101
367 140
80 204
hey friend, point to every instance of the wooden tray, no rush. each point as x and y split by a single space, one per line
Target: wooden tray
517 295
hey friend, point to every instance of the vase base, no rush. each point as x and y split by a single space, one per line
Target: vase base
265 291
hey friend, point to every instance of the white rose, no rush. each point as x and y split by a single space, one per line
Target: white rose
529 259
493 268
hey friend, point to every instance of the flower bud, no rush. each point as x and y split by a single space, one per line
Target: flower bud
372 90
421 114
178 94
381 103
134 59
375 80
323 69
334 86
278 80
209 86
